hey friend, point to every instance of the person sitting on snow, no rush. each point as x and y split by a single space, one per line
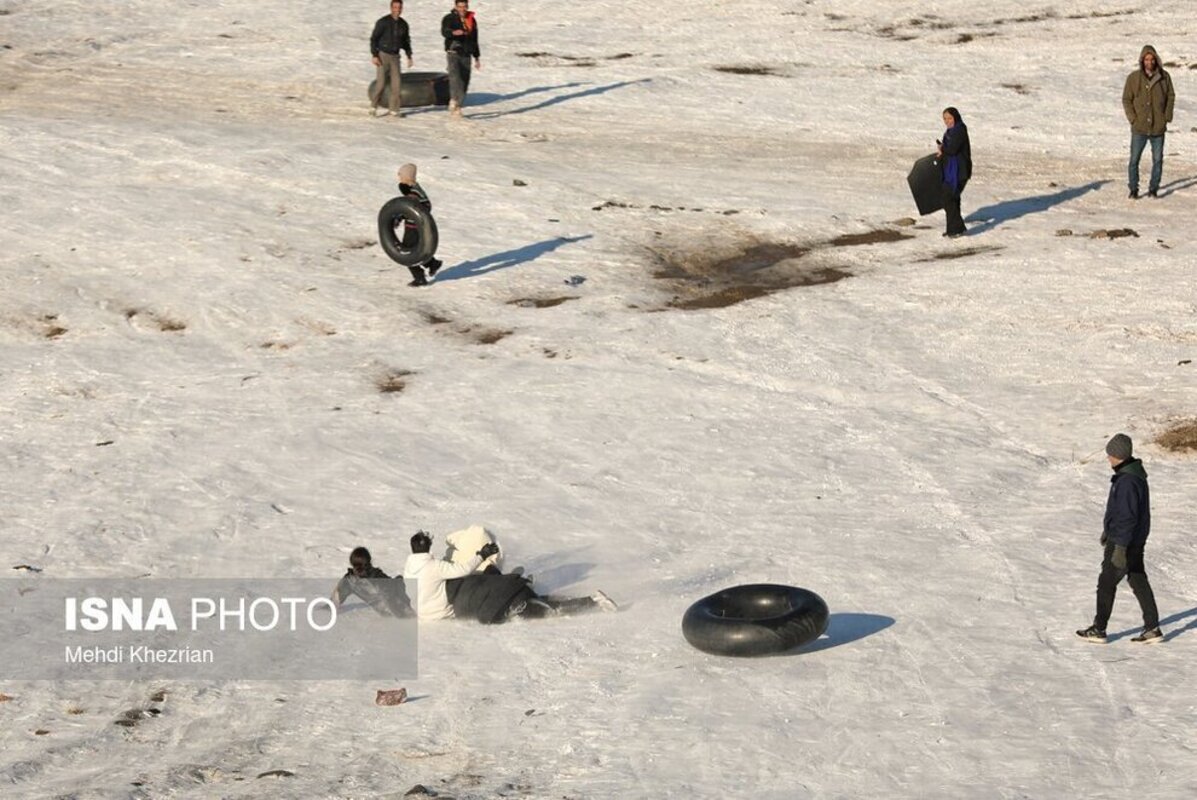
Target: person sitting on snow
384 594
446 590
409 188
461 545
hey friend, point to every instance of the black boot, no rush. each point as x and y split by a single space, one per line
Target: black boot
434 266
417 277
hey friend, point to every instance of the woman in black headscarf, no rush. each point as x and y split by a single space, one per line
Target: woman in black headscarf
956 164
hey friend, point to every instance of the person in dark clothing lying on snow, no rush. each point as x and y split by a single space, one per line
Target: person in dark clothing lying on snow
409 188
447 590
384 594
1124 535
956 163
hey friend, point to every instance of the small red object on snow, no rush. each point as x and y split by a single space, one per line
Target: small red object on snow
390 697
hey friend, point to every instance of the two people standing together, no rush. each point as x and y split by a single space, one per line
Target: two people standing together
1148 99
392 36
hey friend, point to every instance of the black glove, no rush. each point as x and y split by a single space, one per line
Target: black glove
489 549
1119 557
1104 537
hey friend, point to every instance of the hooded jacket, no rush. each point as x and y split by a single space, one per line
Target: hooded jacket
1148 100
430 575
1128 509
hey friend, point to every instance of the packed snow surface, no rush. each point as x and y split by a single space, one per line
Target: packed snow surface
210 369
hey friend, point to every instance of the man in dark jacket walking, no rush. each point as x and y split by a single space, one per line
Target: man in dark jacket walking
460 29
1124 535
390 36
1147 100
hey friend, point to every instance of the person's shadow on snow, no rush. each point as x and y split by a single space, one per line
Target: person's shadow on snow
476 99
552 101
1178 185
1169 635
846 628
508 258
990 217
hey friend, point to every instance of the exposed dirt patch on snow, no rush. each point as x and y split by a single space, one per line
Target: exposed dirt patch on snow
393 381
488 335
1181 437
161 322
540 302
714 278
747 69
878 236
949 255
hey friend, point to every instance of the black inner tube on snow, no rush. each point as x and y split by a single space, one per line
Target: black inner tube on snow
407 231
416 89
755 620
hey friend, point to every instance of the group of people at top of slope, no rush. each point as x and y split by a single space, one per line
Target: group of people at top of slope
467 583
391 36
1148 98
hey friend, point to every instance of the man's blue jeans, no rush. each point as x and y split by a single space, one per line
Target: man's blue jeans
1138 142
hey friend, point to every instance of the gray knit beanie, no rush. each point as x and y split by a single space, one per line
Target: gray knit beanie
407 174
1119 447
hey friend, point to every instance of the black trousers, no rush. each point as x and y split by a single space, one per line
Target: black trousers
554 606
1136 576
951 207
458 66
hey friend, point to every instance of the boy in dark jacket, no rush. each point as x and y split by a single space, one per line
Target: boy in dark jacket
409 188
1124 534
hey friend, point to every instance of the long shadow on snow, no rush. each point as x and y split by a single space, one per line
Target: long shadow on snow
552 101
474 99
1178 185
990 217
508 258
845 629
1168 635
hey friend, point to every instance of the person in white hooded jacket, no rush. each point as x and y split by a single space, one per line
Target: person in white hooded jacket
431 574
447 589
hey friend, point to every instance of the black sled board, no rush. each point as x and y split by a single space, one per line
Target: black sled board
926 184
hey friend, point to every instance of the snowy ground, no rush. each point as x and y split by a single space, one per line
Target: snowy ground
191 280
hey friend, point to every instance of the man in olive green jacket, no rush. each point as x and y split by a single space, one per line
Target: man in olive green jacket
1147 99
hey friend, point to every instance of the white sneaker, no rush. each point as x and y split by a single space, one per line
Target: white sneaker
379 112
604 602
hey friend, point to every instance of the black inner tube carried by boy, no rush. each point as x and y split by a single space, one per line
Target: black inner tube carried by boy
755 620
407 231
